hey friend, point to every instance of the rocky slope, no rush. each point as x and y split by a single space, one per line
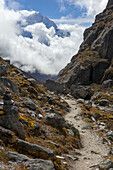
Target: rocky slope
89 79
94 61
33 132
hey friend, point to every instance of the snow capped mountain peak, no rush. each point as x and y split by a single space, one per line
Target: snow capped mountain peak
32 17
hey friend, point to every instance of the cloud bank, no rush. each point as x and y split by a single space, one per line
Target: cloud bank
93 7
33 54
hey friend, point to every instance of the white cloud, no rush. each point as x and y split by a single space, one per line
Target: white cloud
79 20
33 53
93 7
47 59
13 4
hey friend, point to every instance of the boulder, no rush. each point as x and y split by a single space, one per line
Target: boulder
110 135
107 83
10 116
32 164
81 92
103 102
111 151
9 84
55 86
30 104
7 136
36 151
55 120
106 165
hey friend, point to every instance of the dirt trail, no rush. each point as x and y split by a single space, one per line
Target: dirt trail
93 150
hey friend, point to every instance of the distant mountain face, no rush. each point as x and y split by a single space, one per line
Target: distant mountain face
29 24
36 17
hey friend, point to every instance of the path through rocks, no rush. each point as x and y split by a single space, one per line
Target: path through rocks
93 151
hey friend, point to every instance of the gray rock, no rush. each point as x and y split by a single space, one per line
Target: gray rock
110 135
3 71
80 100
2 90
110 2
30 104
33 149
6 135
96 96
32 81
10 117
103 102
107 83
32 90
40 116
81 92
106 165
111 151
55 120
55 86
74 158
32 164
63 107
8 83
88 127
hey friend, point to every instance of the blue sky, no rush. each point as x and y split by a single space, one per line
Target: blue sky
54 9
63 11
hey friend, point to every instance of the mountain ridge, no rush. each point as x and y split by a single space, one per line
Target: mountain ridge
37 17
94 58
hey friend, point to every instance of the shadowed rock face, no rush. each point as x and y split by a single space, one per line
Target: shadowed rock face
94 61
110 2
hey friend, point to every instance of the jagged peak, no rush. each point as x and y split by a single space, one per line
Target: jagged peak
110 2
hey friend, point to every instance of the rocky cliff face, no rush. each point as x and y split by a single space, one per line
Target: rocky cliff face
94 61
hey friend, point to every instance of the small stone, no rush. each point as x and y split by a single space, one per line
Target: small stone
40 116
103 102
80 100
111 151
110 135
106 165
60 157
30 104
88 127
74 158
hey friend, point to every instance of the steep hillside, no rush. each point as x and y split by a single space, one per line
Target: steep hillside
89 79
94 61
33 132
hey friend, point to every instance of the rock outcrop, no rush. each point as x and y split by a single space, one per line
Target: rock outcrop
31 164
94 61
9 117
110 2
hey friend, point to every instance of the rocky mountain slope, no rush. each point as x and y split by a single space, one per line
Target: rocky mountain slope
33 132
94 61
89 79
